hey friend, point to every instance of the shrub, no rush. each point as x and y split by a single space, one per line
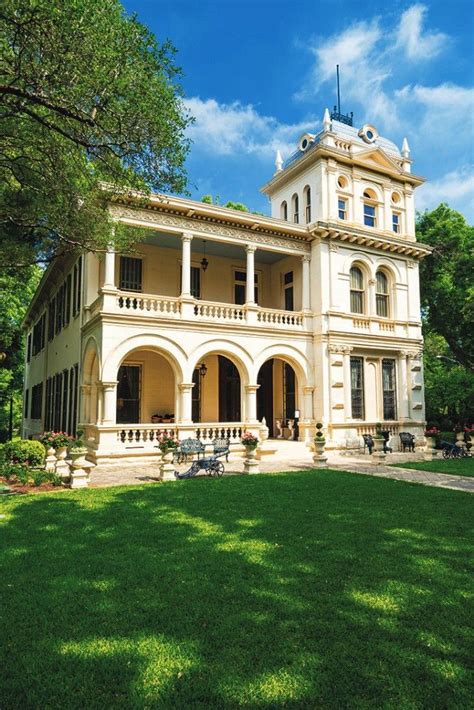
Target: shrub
24 451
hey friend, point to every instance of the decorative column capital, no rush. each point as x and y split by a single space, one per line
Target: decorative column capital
250 249
308 389
185 386
109 385
186 236
85 388
306 259
251 388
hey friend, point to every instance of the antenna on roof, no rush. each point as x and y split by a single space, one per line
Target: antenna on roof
336 114
338 90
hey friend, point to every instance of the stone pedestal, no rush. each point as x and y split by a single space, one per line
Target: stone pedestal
379 454
250 462
319 457
50 461
80 472
167 467
430 452
62 466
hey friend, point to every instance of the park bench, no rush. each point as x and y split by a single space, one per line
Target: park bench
188 449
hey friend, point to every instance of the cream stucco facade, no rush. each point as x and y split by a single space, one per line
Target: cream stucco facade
314 311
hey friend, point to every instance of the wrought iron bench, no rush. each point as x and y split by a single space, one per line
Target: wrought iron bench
221 447
407 441
368 442
187 449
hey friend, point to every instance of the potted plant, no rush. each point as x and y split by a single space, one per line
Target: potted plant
430 434
379 439
77 447
249 440
167 443
55 440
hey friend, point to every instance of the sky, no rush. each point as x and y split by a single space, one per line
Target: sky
257 74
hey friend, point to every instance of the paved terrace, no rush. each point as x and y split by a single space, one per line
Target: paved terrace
291 456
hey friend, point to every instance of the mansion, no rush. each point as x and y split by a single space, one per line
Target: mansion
223 321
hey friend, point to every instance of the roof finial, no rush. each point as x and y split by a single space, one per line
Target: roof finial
405 149
278 162
326 120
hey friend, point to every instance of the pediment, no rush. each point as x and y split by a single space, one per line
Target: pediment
377 158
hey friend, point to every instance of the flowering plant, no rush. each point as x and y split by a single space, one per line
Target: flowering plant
469 429
55 439
167 442
249 440
432 431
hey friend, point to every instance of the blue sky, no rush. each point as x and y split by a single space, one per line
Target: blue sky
259 73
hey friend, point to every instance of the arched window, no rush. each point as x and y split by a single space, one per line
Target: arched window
381 294
357 290
307 196
284 210
296 208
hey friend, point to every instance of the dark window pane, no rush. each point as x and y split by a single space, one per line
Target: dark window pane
128 395
288 278
389 389
357 387
196 281
130 274
239 294
289 300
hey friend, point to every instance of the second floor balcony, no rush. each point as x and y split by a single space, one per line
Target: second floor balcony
181 277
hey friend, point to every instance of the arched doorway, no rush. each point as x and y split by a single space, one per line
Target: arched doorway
277 395
146 389
216 395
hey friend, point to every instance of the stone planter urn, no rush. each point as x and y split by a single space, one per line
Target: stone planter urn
250 461
50 461
460 439
319 457
379 454
167 466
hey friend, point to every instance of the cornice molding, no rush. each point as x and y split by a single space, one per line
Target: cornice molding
199 224
333 233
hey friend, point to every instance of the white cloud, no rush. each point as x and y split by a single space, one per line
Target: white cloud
232 129
411 39
456 188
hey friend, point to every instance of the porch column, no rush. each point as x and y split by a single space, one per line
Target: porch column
251 405
250 286
186 264
346 364
86 404
307 404
403 397
109 268
305 284
186 401
109 397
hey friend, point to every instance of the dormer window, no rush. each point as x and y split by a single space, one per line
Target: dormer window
307 195
296 208
370 210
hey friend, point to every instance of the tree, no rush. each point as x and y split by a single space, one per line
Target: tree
447 287
449 387
15 295
88 99
230 204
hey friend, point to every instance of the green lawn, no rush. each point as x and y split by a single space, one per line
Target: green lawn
305 590
460 467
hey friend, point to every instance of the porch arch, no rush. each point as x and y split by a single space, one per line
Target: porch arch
89 399
155 343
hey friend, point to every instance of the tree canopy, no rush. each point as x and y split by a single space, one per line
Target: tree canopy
446 279
88 98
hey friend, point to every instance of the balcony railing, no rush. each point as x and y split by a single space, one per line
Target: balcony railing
147 305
